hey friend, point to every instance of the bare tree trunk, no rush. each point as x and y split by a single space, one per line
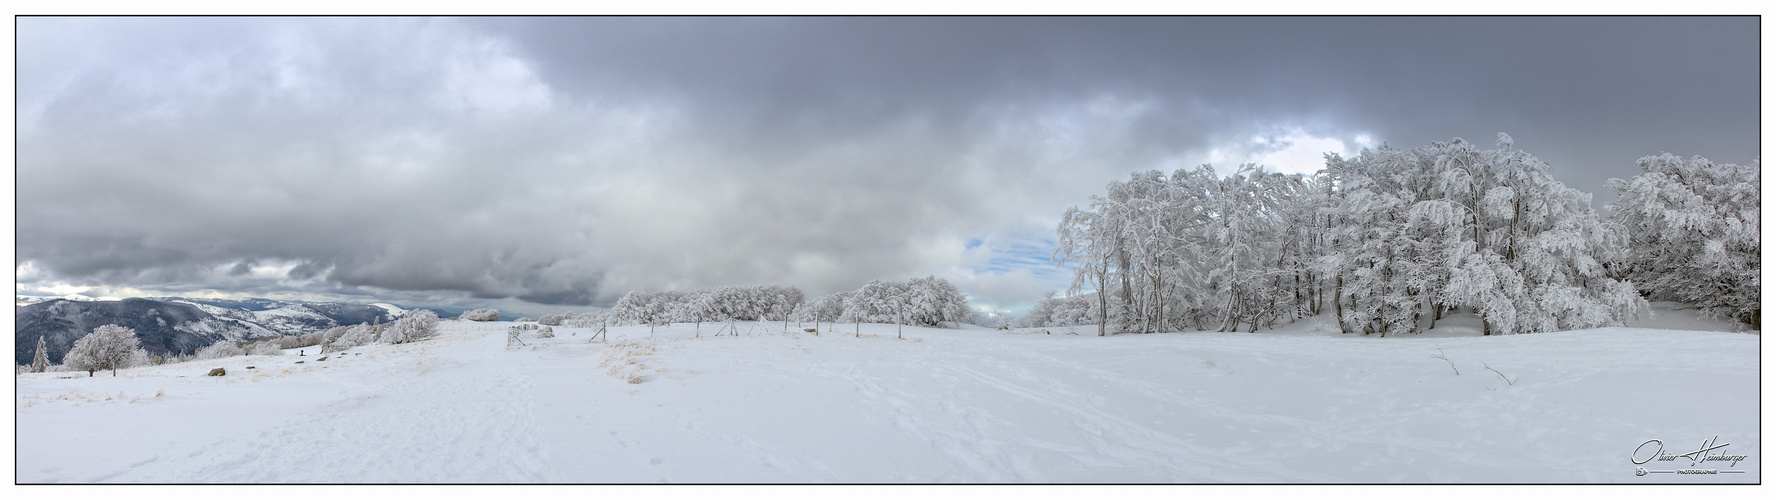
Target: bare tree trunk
1159 311
1128 292
1103 299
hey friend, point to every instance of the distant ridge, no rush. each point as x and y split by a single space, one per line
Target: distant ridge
175 325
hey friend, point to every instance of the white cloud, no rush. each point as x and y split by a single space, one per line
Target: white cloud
1288 150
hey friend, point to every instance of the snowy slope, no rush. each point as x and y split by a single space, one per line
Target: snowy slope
940 406
294 318
392 309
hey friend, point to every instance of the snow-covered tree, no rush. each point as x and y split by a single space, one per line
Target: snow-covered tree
415 326
1452 225
108 347
928 301
1693 229
587 320
480 315
1393 237
829 308
698 307
554 319
931 301
647 308
40 361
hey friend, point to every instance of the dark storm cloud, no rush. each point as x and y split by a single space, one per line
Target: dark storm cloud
565 161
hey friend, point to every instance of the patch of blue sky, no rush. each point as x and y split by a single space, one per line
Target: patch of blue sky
1032 255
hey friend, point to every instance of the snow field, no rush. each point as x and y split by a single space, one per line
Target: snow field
942 405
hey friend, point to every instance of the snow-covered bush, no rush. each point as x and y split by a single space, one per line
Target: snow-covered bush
1693 233
525 319
546 332
139 357
480 315
304 340
349 337
218 350
108 347
554 319
417 325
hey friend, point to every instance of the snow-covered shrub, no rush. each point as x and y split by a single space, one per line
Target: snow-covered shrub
305 340
417 325
331 334
140 357
1693 233
546 332
108 347
223 349
480 315
349 337
554 319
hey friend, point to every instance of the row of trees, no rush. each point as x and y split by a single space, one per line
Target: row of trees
742 303
928 301
1388 240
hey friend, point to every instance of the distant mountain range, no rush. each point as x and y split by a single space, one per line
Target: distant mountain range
172 325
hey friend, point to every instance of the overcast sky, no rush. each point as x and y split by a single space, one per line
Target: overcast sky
542 165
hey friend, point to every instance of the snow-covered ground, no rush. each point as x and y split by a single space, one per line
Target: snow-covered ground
942 405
